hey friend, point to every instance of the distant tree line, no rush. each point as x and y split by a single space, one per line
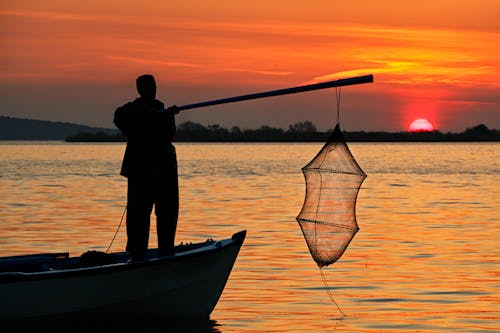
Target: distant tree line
477 133
100 136
304 131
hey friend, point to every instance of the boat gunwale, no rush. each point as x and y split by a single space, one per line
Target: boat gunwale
14 277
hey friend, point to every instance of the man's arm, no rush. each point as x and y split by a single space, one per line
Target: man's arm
122 118
174 109
167 127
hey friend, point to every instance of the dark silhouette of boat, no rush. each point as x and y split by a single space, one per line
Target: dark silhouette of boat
99 285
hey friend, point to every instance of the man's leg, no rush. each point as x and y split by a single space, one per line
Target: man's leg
167 211
139 207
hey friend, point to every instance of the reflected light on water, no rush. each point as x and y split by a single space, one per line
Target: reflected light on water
425 258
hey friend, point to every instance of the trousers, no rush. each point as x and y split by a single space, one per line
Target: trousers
144 192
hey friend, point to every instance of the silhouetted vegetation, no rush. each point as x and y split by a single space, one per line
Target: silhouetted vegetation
306 131
301 132
474 134
115 136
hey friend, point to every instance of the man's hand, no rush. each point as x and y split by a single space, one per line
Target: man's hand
173 109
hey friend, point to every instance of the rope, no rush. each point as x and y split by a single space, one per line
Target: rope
117 229
328 291
338 91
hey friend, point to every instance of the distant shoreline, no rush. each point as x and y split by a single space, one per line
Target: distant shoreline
200 133
16 129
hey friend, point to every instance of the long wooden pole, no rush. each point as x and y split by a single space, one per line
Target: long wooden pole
286 91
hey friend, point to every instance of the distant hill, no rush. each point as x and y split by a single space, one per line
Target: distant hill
29 129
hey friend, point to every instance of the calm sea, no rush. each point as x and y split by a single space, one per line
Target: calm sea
426 258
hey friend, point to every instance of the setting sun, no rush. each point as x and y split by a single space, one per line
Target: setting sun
420 125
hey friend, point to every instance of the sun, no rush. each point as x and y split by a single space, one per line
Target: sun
421 125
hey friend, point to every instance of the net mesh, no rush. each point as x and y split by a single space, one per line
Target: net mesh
328 216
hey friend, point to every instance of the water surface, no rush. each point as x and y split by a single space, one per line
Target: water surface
426 258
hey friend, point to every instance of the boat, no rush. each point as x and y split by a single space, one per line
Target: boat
99 285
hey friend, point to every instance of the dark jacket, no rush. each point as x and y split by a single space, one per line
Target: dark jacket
149 135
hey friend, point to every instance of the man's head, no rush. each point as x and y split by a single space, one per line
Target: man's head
146 86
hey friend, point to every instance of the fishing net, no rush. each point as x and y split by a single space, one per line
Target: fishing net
328 217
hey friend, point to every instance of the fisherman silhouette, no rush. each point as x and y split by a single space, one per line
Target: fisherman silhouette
150 164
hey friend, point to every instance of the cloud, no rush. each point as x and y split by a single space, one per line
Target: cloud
425 57
153 62
240 50
257 71
55 15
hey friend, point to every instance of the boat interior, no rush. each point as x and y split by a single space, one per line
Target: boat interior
44 262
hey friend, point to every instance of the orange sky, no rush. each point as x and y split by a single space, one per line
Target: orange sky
77 62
